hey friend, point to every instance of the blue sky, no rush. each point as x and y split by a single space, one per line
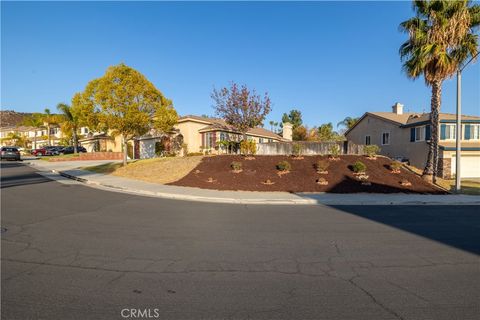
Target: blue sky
328 59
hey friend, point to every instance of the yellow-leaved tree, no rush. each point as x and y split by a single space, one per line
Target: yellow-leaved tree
126 103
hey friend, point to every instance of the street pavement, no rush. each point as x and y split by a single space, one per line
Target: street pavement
70 251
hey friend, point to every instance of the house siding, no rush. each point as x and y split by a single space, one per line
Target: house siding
400 144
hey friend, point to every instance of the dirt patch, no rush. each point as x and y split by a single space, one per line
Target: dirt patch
302 176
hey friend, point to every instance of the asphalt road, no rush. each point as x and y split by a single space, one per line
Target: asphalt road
75 252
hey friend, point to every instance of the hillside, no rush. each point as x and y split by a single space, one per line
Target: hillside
10 118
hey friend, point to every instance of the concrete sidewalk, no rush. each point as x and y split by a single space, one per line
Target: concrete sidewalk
70 170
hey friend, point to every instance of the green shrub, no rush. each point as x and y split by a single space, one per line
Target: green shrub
371 150
359 167
159 148
248 147
297 149
284 166
236 166
334 151
395 165
322 165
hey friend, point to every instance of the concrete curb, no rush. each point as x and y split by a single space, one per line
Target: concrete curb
469 200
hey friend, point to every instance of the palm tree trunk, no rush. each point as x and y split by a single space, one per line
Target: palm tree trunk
431 168
35 139
48 134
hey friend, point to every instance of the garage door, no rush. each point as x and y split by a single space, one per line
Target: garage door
470 166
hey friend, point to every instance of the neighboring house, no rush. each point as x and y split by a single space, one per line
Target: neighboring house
100 142
203 134
407 135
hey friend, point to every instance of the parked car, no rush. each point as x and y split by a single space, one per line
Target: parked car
10 153
69 150
42 152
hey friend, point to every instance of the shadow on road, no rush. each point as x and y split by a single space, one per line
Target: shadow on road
15 176
456 226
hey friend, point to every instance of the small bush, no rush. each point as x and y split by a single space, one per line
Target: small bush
284 166
297 150
334 151
359 167
236 166
396 165
248 147
371 150
322 181
191 154
322 165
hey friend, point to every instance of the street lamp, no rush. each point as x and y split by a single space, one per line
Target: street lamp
458 138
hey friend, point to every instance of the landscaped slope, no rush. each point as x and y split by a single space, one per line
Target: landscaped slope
215 173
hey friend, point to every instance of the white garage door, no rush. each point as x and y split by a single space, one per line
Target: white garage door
470 166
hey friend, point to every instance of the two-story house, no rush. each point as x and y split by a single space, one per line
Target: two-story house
407 135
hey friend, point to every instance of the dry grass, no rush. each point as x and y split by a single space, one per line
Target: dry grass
470 187
158 170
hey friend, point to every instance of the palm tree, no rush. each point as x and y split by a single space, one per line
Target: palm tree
271 124
36 121
348 122
441 38
48 119
69 121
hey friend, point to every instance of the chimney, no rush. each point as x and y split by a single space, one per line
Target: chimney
287 131
397 108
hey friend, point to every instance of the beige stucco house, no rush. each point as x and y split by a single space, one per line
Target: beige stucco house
203 134
406 135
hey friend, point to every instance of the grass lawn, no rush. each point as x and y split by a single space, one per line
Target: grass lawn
47 158
158 170
470 187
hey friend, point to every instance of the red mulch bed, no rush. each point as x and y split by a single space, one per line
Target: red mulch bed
303 176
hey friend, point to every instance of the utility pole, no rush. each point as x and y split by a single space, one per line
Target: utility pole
458 138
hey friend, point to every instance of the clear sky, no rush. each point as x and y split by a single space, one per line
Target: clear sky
328 59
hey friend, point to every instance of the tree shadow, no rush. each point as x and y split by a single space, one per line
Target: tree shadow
15 178
455 226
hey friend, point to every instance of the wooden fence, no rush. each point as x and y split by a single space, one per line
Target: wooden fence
308 148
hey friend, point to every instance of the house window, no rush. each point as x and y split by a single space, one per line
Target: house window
447 132
419 133
223 136
270 140
209 140
385 138
260 140
472 132
85 130
367 140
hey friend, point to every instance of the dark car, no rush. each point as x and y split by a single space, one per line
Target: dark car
10 153
69 150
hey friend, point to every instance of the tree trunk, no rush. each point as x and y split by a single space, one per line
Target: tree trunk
48 134
431 168
35 141
125 150
75 140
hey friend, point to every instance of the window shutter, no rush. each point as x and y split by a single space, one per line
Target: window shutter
428 132
467 132
443 131
412 134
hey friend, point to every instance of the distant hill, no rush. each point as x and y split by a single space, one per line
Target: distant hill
10 118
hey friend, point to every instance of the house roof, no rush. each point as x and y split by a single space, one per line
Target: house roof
220 124
411 118
466 145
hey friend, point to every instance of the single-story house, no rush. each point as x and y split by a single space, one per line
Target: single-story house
204 134
407 135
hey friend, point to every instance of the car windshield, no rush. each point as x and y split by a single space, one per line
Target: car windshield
9 149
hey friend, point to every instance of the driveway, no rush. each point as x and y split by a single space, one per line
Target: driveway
75 252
